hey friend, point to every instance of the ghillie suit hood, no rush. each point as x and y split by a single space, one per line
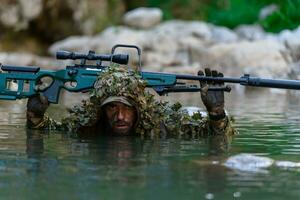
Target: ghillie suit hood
118 81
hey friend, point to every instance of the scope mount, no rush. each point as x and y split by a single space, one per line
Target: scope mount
139 52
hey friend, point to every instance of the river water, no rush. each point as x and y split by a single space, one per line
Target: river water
41 165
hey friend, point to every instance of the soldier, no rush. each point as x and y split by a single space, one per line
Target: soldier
120 105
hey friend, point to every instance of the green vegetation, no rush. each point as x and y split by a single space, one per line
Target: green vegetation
287 17
229 13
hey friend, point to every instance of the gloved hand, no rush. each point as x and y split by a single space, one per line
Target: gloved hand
36 108
213 100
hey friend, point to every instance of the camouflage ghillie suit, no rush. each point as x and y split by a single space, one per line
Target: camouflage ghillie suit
155 118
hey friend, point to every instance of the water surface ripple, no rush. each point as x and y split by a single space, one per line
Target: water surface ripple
42 165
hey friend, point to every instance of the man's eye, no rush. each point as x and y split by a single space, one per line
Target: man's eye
128 108
111 107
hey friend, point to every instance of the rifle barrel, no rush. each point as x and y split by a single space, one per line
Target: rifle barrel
247 80
207 78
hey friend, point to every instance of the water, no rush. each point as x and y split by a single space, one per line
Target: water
41 165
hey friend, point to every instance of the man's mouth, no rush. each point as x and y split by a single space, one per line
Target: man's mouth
120 125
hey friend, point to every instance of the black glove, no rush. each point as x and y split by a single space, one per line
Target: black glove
37 106
213 100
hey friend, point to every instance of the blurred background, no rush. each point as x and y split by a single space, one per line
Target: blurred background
33 25
260 37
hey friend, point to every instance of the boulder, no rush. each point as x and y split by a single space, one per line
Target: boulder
166 44
250 32
190 43
17 59
73 43
17 15
26 59
143 17
180 28
248 162
9 15
30 9
264 58
292 41
55 19
222 35
119 35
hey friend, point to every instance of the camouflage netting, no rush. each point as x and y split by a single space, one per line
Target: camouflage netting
118 81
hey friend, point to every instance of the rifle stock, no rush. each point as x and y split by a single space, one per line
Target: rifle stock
27 80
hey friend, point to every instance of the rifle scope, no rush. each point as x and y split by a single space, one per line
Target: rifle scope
116 58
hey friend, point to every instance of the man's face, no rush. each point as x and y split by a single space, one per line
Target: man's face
121 117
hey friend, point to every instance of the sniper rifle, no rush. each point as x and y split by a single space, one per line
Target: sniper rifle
81 77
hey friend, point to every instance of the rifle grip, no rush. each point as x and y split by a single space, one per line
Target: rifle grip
52 92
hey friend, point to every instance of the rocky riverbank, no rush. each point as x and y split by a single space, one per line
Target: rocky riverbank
186 46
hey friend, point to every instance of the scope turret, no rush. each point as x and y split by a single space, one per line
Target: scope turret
116 58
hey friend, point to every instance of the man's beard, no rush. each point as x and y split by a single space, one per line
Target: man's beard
120 127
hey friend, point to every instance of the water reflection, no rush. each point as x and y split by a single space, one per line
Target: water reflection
55 165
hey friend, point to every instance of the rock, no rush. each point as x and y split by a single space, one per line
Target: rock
251 163
53 20
287 164
95 15
9 15
292 41
74 43
250 32
295 70
119 35
143 17
262 58
18 59
248 162
103 42
223 35
30 9
182 43
181 29
17 15
167 44
26 59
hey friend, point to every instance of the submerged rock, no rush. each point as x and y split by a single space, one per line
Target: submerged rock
252 163
287 164
248 162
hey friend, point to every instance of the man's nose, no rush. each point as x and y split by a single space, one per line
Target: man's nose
120 114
